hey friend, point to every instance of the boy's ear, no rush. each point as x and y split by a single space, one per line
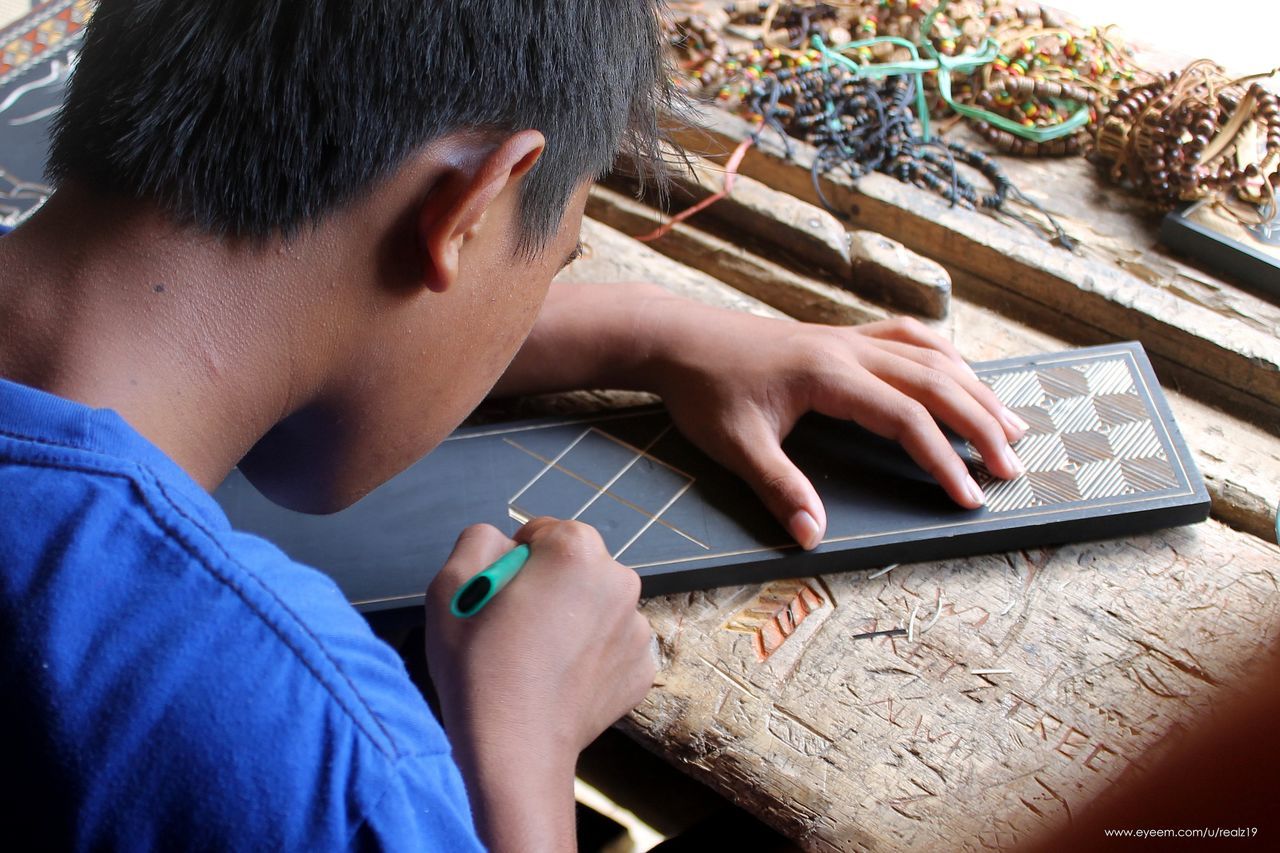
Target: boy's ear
457 206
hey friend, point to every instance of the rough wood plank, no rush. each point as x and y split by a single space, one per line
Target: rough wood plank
799 296
610 255
897 276
1241 362
889 744
811 240
814 240
1121 229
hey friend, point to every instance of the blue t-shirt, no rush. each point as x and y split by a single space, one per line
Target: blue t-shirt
169 683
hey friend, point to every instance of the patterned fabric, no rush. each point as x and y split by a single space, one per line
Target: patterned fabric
37 54
1091 436
43 30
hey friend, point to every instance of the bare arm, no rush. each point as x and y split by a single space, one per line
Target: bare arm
589 336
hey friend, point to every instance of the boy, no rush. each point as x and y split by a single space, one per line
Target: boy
308 238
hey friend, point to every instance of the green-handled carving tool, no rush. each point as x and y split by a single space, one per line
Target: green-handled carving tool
475 593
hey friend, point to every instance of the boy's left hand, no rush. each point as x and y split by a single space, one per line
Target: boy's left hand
736 384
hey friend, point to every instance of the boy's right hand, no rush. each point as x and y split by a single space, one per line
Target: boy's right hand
540 672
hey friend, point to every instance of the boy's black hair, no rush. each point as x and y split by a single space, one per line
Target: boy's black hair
254 117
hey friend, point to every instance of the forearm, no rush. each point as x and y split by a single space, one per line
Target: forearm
521 798
593 336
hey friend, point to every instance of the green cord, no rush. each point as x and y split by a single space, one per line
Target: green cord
943 65
988 54
886 69
1073 123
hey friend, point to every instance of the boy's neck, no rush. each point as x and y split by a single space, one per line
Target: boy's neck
197 342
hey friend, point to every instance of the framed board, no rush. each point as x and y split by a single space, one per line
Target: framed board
1103 454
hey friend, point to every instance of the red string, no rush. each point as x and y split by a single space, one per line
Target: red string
730 173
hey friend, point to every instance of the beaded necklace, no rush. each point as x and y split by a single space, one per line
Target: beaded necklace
858 122
1197 134
1042 74
1031 82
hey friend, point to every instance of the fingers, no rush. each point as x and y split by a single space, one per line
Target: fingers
878 406
572 546
908 330
755 454
477 547
912 339
570 539
573 541
952 402
1014 427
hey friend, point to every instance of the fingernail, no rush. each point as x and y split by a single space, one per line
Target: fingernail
804 527
975 491
1015 421
1012 460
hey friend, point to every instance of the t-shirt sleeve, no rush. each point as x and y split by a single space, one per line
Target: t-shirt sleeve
410 795
424 807
169 684
243 704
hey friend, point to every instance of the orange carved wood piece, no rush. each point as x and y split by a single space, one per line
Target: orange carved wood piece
775 613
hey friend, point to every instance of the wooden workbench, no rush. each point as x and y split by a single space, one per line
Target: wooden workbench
1102 650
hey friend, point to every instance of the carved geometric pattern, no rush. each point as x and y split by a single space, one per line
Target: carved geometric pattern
774 614
1090 436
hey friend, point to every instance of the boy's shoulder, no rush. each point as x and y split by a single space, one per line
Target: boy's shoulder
173 674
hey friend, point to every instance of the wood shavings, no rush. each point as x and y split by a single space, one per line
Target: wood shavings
991 672
766 26
910 624
1008 607
937 614
911 632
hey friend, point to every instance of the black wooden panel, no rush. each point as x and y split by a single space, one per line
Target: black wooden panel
1104 456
